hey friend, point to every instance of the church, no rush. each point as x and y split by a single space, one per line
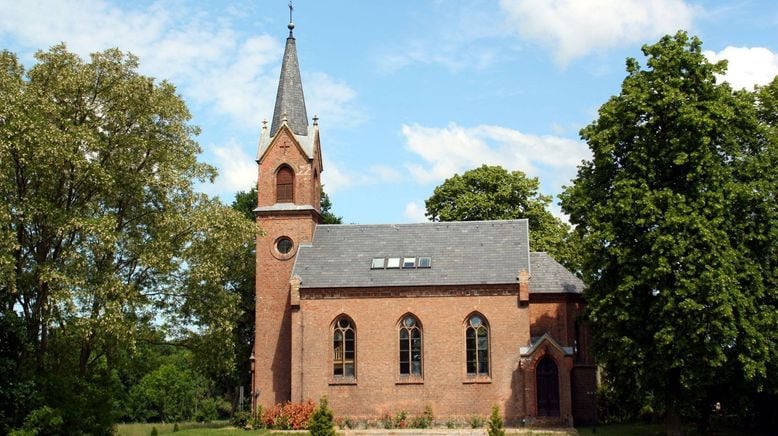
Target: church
455 316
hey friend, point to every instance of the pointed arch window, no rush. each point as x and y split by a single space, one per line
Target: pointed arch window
477 345
284 185
344 351
410 347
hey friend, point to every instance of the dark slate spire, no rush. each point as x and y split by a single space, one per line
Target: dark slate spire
290 102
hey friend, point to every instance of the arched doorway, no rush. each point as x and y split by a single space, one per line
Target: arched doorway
547 387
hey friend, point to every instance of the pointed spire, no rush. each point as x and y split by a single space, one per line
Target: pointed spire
290 102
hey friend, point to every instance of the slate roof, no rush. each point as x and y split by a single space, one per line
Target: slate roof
547 275
471 252
289 98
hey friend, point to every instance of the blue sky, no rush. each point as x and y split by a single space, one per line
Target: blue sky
408 92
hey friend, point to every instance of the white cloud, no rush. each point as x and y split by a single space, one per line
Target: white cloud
454 149
336 179
414 212
454 37
384 173
237 170
214 65
574 28
325 95
747 66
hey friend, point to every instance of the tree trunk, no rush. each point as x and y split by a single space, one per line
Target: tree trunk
672 402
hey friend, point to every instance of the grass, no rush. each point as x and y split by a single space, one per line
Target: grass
218 428
632 429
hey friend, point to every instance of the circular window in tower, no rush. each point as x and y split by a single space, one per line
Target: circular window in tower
284 245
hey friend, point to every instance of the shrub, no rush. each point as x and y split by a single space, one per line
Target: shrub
44 420
322 423
154 431
401 420
288 416
425 420
240 419
496 427
387 422
175 427
476 421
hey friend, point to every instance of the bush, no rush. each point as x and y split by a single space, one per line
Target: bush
288 416
476 421
401 420
44 420
425 420
240 419
322 423
207 410
496 426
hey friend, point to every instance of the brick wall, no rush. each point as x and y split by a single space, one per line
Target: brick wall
378 388
273 346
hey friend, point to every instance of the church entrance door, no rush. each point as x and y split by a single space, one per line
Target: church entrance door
547 387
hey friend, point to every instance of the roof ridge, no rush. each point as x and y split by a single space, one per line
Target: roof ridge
425 223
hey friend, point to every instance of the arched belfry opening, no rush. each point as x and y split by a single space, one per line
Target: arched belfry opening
285 185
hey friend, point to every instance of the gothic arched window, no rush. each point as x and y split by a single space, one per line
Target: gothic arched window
477 345
410 347
285 185
344 351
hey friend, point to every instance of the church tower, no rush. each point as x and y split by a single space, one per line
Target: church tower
288 209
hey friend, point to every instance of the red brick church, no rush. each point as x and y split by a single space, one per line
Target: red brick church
458 316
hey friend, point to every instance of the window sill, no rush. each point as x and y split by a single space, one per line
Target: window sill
346 381
477 379
409 380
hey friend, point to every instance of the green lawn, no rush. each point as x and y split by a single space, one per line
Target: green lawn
221 428
623 430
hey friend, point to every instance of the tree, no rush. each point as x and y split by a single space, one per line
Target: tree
677 216
493 193
495 426
101 232
322 420
327 217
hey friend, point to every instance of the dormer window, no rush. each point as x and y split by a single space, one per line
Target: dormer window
285 185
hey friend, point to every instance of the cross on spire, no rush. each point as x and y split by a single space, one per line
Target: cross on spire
291 23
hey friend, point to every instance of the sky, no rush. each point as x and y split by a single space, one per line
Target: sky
408 92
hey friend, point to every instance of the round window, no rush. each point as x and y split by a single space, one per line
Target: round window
284 245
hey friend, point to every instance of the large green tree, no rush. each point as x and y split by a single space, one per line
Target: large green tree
677 214
101 231
494 193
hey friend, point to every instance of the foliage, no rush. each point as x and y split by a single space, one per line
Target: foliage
288 416
322 422
169 393
102 233
678 218
476 421
495 426
425 420
241 419
42 421
493 193
327 217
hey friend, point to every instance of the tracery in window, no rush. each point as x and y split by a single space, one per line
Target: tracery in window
344 348
477 345
410 347
285 185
